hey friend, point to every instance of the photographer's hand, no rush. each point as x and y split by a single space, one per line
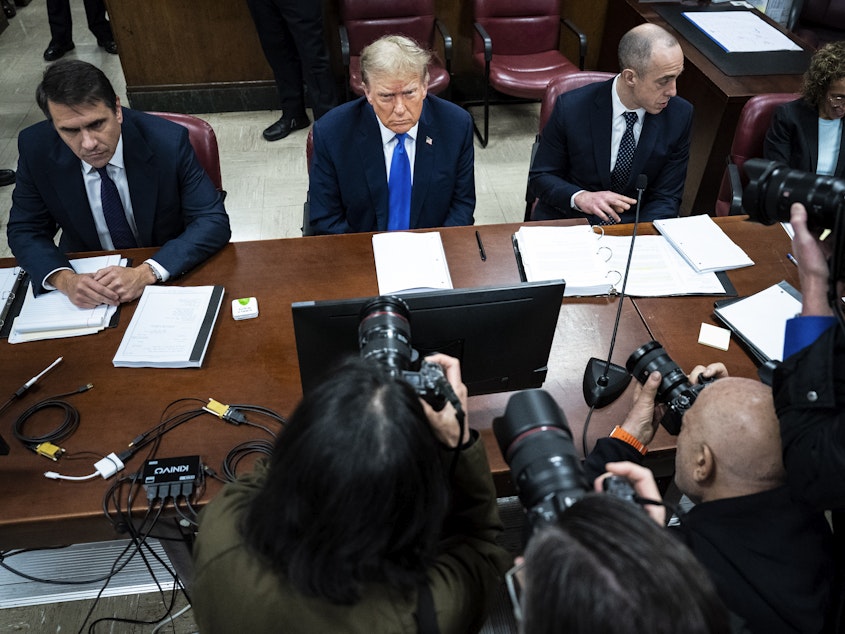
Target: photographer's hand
641 421
713 371
642 479
444 423
812 255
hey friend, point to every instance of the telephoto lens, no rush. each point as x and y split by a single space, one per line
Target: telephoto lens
384 333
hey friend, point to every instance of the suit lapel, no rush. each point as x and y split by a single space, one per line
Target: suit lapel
142 176
600 124
371 152
69 184
427 136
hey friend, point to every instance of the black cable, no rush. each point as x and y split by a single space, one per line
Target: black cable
239 452
62 432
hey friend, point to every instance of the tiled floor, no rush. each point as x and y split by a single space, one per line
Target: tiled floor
266 182
266 185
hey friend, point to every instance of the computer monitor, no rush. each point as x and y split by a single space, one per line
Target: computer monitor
502 335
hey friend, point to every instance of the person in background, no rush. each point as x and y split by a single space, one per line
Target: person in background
61 27
397 158
807 134
601 137
358 523
291 35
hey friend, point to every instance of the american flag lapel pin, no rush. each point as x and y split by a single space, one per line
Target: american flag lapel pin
428 140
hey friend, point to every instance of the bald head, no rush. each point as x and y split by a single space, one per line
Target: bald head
637 45
730 442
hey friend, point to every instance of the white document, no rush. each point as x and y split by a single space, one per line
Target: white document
53 316
760 319
593 264
574 254
171 327
658 270
741 31
408 261
703 243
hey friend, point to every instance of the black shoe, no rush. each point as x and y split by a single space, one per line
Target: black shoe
7 177
285 126
55 51
9 8
109 46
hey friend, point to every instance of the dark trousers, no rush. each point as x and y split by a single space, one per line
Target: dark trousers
291 34
61 25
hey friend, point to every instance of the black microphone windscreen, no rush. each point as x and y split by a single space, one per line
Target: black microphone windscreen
642 181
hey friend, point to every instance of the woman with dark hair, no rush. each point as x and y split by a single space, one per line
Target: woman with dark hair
353 525
607 567
806 134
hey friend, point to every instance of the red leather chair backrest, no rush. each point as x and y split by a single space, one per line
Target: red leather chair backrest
518 27
204 142
368 20
563 84
755 118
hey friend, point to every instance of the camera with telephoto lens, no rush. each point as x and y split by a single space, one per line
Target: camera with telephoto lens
674 390
384 335
773 187
536 442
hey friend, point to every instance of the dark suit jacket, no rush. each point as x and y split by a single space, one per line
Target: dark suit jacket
176 206
348 178
793 138
574 154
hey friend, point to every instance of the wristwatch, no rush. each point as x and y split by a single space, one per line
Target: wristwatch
158 276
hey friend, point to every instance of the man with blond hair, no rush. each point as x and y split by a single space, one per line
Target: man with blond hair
397 158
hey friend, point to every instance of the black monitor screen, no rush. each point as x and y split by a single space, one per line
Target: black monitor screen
502 335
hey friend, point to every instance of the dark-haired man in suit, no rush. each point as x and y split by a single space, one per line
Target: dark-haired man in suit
601 137
396 158
110 178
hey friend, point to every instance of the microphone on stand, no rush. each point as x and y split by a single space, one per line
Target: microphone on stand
604 381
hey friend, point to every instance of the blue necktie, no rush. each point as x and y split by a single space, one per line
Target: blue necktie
625 157
399 186
121 233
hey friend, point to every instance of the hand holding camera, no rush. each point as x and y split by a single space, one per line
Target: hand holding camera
444 421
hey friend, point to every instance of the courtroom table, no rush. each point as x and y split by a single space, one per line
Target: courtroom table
255 362
717 98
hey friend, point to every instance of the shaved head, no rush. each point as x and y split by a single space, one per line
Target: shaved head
730 442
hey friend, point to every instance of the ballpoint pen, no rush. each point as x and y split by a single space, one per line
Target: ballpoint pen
792 259
480 247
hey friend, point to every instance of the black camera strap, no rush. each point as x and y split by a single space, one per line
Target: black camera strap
426 615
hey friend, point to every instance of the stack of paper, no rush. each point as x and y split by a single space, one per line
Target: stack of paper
703 243
592 264
53 316
171 327
410 262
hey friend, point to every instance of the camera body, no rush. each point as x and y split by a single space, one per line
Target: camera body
536 442
384 335
773 187
675 390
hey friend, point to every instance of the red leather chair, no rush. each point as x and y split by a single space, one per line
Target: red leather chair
364 21
818 22
204 142
516 44
555 89
754 121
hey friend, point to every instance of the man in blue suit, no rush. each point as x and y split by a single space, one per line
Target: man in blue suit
93 164
352 183
577 173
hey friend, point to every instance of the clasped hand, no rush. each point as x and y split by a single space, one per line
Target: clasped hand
112 285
